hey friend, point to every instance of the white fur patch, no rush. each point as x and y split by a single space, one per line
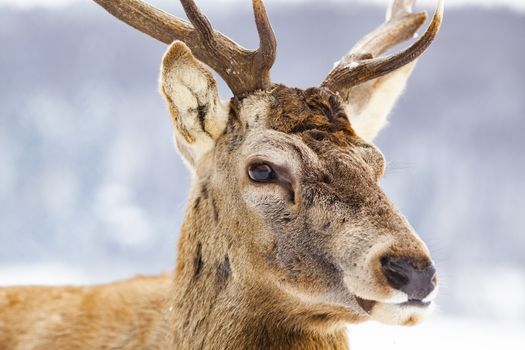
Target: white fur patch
397 297
396 314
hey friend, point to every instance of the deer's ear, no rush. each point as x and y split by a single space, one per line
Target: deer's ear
199 117
368 104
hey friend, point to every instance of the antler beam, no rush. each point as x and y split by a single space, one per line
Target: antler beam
243 70
361 64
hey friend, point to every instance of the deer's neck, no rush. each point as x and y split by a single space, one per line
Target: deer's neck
212 308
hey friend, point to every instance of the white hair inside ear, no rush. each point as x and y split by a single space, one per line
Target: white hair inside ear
190 91
369 104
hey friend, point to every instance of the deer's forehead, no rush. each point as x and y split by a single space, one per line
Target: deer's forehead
293 111
311 123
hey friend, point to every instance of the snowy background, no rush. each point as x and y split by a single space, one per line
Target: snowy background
92 190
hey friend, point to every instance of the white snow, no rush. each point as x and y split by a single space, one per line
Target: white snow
440 332
55 273
352 64
41 274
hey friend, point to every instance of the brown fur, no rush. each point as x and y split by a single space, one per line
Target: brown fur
121 315
280 265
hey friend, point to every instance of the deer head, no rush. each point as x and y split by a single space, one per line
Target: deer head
286 195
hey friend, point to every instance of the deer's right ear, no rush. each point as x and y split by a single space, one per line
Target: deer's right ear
199 117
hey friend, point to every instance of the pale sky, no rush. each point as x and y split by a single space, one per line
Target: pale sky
518 5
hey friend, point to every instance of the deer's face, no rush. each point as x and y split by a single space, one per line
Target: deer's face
303 182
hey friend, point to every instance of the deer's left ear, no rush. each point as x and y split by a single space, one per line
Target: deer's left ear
199 117
369 104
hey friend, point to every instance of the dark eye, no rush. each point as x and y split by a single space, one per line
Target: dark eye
317 135
261 172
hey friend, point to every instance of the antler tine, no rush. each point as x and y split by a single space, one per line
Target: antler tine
401 24
244 71
199 20
232 56
268 44
362 63
148 19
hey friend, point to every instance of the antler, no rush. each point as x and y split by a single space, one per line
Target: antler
361 64
243 70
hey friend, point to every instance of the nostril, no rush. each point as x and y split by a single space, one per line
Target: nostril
384 260
396 274
395 278
404 275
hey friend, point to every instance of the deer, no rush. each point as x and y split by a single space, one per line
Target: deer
287 235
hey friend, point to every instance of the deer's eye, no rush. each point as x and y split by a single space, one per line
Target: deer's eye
261 172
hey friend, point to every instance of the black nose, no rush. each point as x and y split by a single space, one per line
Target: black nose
417 280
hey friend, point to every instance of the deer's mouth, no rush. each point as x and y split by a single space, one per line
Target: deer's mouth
368 305
416 303
365 304
403 313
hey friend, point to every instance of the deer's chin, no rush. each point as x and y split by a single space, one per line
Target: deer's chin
407 313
